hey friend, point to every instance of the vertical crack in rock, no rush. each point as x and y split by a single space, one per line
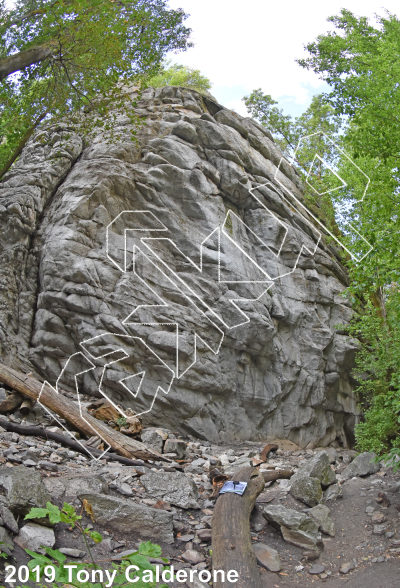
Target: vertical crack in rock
25 193
224 264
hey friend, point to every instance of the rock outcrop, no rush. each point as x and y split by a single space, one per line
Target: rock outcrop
178 269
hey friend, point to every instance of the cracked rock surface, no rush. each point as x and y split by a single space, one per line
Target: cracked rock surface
210 219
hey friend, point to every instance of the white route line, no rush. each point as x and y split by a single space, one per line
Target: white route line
368 180
218 231
95 432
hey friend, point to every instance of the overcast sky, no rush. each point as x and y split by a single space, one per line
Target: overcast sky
242 45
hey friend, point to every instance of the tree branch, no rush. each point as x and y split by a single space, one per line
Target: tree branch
23 17
24 59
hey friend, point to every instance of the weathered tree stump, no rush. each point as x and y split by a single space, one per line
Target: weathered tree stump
231 541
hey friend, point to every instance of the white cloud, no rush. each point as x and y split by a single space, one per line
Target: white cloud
255 43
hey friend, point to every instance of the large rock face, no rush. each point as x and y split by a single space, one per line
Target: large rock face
185 255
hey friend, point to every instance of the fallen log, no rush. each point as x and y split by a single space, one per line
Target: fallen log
231 541
67 441
272 475
12 402
68 410
267 450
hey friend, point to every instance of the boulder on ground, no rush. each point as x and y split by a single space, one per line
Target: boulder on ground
71 486
321 515
363 465
307 490
172 487
24 489
232 468
296 527
35 537
6 543
175 446
267 557
192 556
8 519
332 454
319 467
347 567
307 483
153 438
333 493
126 516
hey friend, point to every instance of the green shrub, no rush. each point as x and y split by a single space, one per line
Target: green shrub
380 430
181 75
52 568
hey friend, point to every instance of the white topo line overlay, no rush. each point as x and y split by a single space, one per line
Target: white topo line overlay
344 184
188 292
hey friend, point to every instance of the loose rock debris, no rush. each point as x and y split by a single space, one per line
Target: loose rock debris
353 526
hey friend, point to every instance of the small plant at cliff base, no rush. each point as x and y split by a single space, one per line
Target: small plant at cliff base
70 57
3 554
54 572
180 75
121 422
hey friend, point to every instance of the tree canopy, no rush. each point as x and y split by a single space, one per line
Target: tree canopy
58 56
361 63
321 126
361 112
180 75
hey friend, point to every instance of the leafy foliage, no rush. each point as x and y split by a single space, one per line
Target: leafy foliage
96 50
319 127
361 113
54 558
66 515
361 62
181 75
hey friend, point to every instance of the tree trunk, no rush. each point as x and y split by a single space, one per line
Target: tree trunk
69 411
23 59
231 541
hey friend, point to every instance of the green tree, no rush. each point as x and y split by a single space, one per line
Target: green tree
59 57
180 75
318 128
361 63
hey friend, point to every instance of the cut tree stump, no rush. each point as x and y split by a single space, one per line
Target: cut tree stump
68 410
26 406
231 541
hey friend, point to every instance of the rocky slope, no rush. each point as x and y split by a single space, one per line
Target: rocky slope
348 535
177 270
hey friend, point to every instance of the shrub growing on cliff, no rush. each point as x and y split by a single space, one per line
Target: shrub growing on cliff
181 75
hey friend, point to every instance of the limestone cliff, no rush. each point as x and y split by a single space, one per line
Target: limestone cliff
181 268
